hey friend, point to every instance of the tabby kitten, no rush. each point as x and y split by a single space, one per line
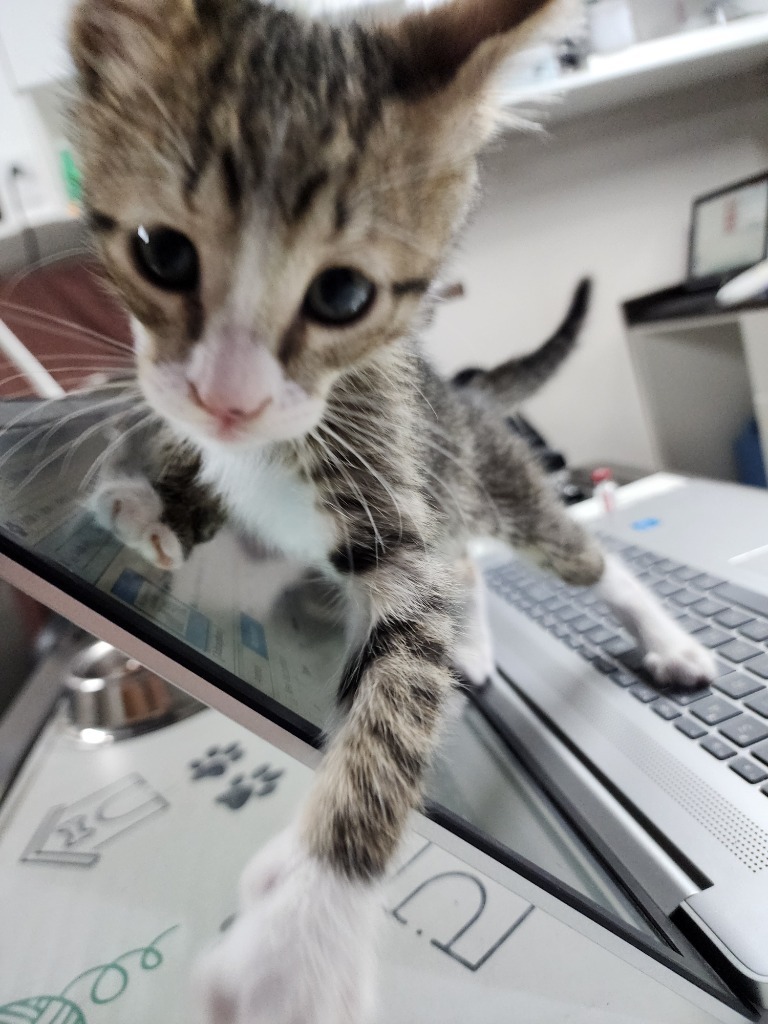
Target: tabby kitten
273 199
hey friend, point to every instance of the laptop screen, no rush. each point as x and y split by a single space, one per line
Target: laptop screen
729 230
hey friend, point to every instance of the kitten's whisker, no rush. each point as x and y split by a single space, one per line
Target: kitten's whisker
337 461
118 443
28 438
45 261
53 456
60 371
62 422
376 476
35 317
103 424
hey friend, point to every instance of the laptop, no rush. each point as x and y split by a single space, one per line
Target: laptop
233 629
676 783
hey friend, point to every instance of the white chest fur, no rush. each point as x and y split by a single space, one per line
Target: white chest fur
271 502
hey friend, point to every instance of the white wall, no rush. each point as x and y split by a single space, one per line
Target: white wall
609 195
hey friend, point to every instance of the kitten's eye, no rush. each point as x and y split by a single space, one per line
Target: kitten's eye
339 296
167 259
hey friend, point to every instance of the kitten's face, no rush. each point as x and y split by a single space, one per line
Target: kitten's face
270 202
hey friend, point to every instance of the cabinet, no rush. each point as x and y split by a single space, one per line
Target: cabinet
700 379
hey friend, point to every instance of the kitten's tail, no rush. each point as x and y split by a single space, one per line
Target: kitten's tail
512 382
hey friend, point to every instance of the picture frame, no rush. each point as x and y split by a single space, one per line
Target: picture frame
729 230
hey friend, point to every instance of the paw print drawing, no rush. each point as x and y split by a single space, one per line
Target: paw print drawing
261 782
216 761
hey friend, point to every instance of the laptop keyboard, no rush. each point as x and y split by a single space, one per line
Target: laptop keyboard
729 720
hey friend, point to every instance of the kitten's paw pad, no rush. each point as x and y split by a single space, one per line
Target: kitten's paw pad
301 948
131 510
684 663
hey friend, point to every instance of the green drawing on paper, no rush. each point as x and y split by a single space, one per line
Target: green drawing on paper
105 984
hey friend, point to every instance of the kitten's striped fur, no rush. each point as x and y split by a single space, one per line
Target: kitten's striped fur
281 147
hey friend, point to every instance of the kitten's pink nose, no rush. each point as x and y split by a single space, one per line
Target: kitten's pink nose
233 377
218 407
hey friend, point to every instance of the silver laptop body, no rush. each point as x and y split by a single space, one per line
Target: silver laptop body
693 831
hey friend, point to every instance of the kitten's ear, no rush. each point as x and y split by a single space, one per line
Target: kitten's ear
459 46
114 41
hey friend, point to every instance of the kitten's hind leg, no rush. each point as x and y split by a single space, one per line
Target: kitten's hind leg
131 509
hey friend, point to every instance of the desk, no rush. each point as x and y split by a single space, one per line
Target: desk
700 380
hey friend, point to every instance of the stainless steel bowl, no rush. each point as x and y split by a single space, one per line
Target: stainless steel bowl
109 696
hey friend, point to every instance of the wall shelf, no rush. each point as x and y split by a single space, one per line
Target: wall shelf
650 69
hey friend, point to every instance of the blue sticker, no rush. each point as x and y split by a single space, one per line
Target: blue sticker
128 585
196 632
646 524
252 635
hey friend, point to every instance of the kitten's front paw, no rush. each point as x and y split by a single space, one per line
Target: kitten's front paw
131 509
677 659
300 950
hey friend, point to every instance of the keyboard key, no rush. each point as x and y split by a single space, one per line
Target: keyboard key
623 679
744 730
708 607
687 598
620 645
600 635
686 697
705 581
722 668
585 623
732 617
668 566
711 637
755 629
717 748
759 666
666 588
643 692
603 665
738 685
665 708
748 770
760 751
738 651
713 710
686 574
689 728
631 659
569 613
631 552
647 559
758 703
732 593
689 622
